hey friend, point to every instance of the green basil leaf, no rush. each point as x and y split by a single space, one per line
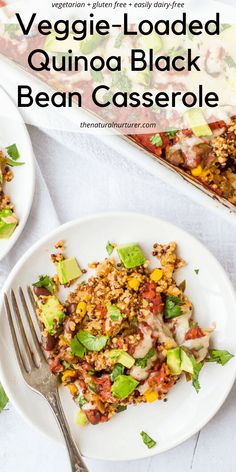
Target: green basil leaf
172 307
142 362
114 313
156 140
3 398
92 343
197 366
117 370
109 248
219 356
45 281
13 152
147 440
77 348
196 271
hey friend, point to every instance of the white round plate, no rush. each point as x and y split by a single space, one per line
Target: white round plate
21 188
185 412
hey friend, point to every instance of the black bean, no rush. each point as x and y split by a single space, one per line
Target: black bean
71 308
48 342
41 291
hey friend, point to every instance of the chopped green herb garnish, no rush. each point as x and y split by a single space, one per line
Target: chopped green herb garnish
92 387
171 133
77 348
11 28
197 366
117 370
46 282
147 440
13 152
96 75
109 248
121 81
182 286
224 26
172 307
66 364
196 271
142 362
219 356
91 372
92 343
114 313
156 140
120 408
3 398
119 40
81 400
230 61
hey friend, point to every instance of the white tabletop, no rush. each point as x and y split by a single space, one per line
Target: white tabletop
90 176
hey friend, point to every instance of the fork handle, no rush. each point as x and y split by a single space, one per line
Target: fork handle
77 463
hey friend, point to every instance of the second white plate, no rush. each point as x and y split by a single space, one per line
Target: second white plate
21 188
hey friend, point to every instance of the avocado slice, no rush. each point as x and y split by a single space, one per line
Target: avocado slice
174 360
186 363
88 45
8 223
178 360
152 41
51 313
81 418
68 270
131 255
197 122
123 386
122 357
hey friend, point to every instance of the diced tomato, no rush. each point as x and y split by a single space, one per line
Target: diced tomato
156 306
56 366
104 387
149 291
194 333
162 380
102 310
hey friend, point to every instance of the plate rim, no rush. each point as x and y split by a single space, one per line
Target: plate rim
14 238
44 239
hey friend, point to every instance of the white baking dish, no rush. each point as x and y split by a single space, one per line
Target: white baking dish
11 75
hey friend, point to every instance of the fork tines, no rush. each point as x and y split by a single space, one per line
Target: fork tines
28 357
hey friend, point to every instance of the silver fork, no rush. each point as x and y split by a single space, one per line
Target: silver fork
36 372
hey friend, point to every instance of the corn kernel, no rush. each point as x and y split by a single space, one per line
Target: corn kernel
196 171
150 395
134 283
81 308
73 389
67 373
169 344
156 275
